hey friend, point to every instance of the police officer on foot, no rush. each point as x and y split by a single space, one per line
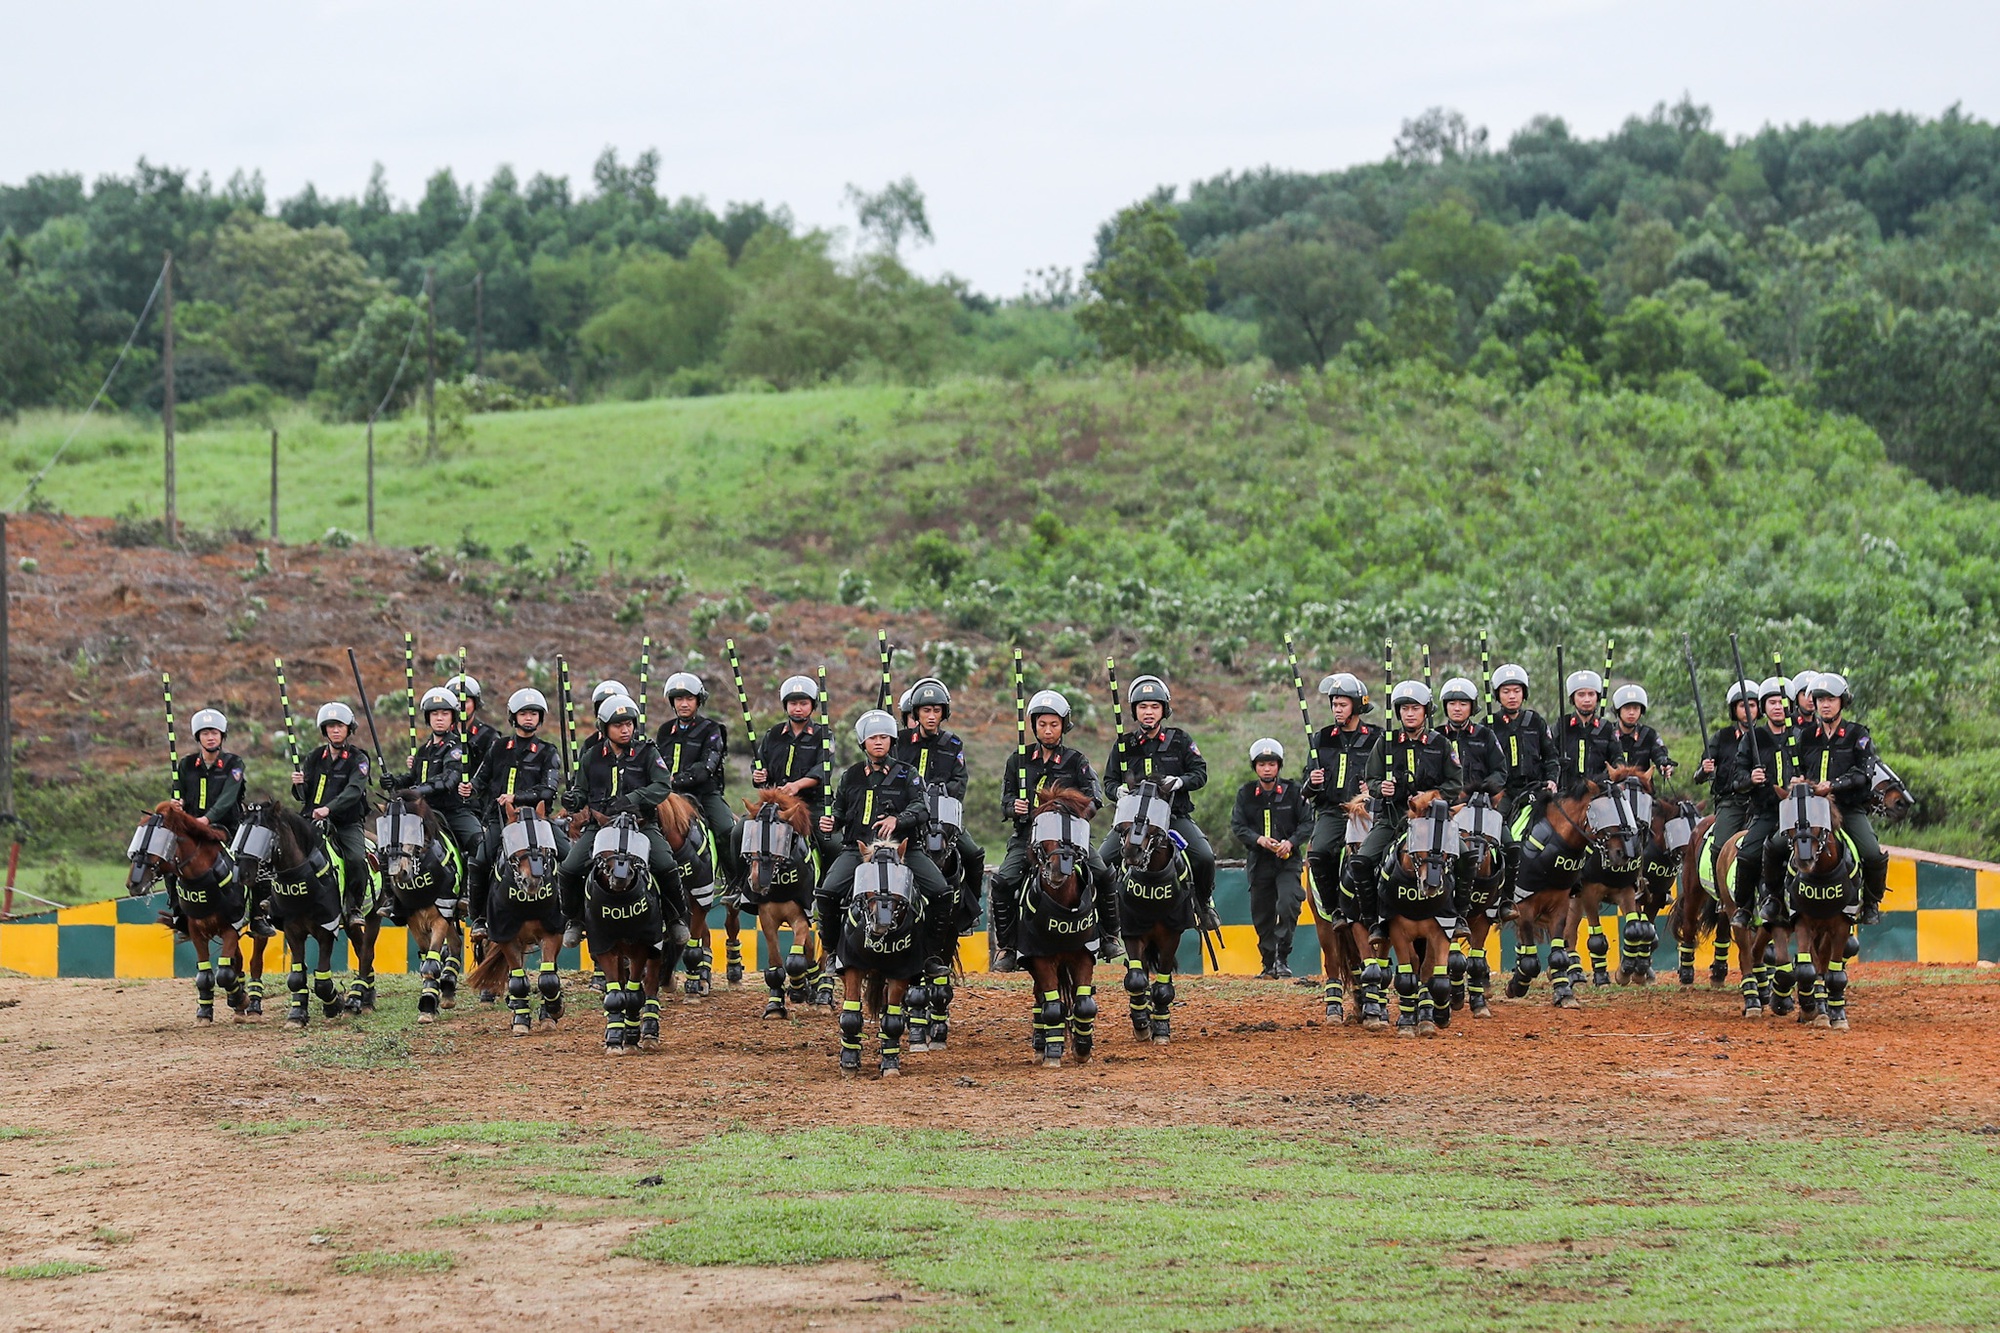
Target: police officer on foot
1169 758
879 798
1270 820
332 788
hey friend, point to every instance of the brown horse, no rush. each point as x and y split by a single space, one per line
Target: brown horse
1155 907
1340 957
1351 937
701 883
1703 905
1621 823
1551 863
295 859
880 951
421 880
1484 897
633 924
188 851
1418 911
524 912
777 848
1822 898
1059 924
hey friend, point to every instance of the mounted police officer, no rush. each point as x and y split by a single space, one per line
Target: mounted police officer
439 769
792 755
1411 759
1169 758
331 787
1271 820
1586 744
619 772
1334 773
1769 751
1482 764
519 771
1836 758
210 782
1638 744
478 741
1728 780
1049 765
695 747
939 756
1532 767
879 798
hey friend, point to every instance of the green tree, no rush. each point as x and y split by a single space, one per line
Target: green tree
284 295
1447 243
37 340
1929 384
665 313
1144 289
1546 314
383 358
1421 326
1308 290
891 213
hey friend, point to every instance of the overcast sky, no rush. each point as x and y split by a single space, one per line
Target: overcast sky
1026 123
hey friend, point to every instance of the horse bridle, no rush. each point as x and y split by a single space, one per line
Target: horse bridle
881 908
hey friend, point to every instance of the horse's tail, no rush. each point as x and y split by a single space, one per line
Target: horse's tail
491 974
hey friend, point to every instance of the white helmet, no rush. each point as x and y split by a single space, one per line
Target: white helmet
1410 692
1458 687
797 687
527 698
1802 686
1831 685
1582 680
1510 673
874 722
464 686
1740 691
1345 685
1266 749
1774 685
438 699
335 712
617 708
1630 694
605 689
1052 703
686 682
207 718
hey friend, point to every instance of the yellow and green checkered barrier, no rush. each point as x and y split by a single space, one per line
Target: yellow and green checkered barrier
1939 909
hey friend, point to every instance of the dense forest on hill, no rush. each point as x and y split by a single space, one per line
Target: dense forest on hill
1855 267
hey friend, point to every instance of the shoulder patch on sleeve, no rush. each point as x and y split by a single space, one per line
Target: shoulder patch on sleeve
361 765
236 773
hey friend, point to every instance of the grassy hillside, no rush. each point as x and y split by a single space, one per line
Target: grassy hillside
1197 517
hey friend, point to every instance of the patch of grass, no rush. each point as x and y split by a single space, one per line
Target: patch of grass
1249 1230
49 1268
78 1168
111 1236
491 1217
10 1132
261 1129
486 1131
395 1263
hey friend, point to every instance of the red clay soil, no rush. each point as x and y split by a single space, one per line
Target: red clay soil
213 1228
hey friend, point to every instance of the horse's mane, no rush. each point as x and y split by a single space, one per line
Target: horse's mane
792 809
676 814
1357 808
1421 803
184 825
1077 802
1620 772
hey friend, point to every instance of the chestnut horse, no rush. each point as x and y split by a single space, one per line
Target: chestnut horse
776 842
1821 900
879 951
1420 915
422 876
173 845
1621 825
524 912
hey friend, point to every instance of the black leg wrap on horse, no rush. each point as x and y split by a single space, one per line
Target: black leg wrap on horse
774 975
1162 996
1440 989
893 1025
1528 964
851 1023
549 982
1135 979
1086 1004
1406 983
1478 971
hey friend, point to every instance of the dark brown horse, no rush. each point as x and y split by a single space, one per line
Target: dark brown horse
304 877
1621 825
777 850
1551 864
524 912
1155 907
633 926
1418 911
173 845
1821 899
1340 957
880 952
421 881
1058 926
1478 825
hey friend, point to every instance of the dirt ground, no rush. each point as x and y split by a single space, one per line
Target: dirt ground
127 1163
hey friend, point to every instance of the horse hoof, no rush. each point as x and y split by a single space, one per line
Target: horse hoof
1821 1021
1482 1010
1427 1029
1373 1025
648 1043
1159 1041
919 1046
519 1030
775 1011
1601 978
205 1018
890 1071
1409 1031
424 1016
1569 1002
296 1024
735 974
1839 1023
1753 1011
1051 1061
489 997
